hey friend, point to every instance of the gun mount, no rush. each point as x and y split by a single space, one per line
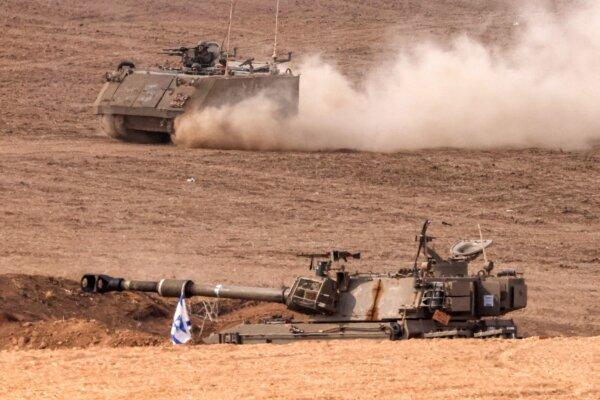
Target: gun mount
437 298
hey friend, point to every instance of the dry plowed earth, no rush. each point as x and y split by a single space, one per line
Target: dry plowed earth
73 201
559 368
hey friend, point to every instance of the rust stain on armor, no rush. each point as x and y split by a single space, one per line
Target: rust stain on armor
373 313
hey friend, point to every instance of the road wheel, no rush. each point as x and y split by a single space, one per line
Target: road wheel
114 127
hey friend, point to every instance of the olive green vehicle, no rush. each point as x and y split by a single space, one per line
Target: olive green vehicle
437 298
140 105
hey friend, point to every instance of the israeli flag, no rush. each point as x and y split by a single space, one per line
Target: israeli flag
181 331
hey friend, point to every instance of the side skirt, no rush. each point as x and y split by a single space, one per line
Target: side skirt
408 329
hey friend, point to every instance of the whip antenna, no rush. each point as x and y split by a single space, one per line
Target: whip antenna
276 28
482 246
229 35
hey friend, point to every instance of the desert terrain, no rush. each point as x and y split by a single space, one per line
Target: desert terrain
558 368
74 201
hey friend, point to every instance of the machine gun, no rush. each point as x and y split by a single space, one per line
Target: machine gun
327 260
204 55
334 255
177 51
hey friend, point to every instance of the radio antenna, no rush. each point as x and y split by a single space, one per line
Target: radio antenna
276 29
481 242
229 35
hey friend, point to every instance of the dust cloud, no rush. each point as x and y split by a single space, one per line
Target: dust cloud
543 91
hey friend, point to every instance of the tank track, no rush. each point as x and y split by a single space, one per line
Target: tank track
285 332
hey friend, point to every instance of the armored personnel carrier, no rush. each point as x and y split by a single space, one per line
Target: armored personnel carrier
435 298
140 105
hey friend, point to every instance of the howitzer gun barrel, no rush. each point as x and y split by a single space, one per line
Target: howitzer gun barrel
175 287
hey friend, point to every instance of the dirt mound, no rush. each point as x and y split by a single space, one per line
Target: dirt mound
72 333
44 312
38 312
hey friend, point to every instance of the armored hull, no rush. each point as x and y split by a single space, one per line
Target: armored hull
396 307
141 105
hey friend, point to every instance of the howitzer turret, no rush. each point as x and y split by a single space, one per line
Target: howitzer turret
437 298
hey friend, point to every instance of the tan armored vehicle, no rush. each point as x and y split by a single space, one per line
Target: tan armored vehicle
140 105
437 298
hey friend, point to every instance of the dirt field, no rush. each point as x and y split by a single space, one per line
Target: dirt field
565 368
73 201
94 205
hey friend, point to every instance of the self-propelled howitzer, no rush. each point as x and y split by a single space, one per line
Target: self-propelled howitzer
434 299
